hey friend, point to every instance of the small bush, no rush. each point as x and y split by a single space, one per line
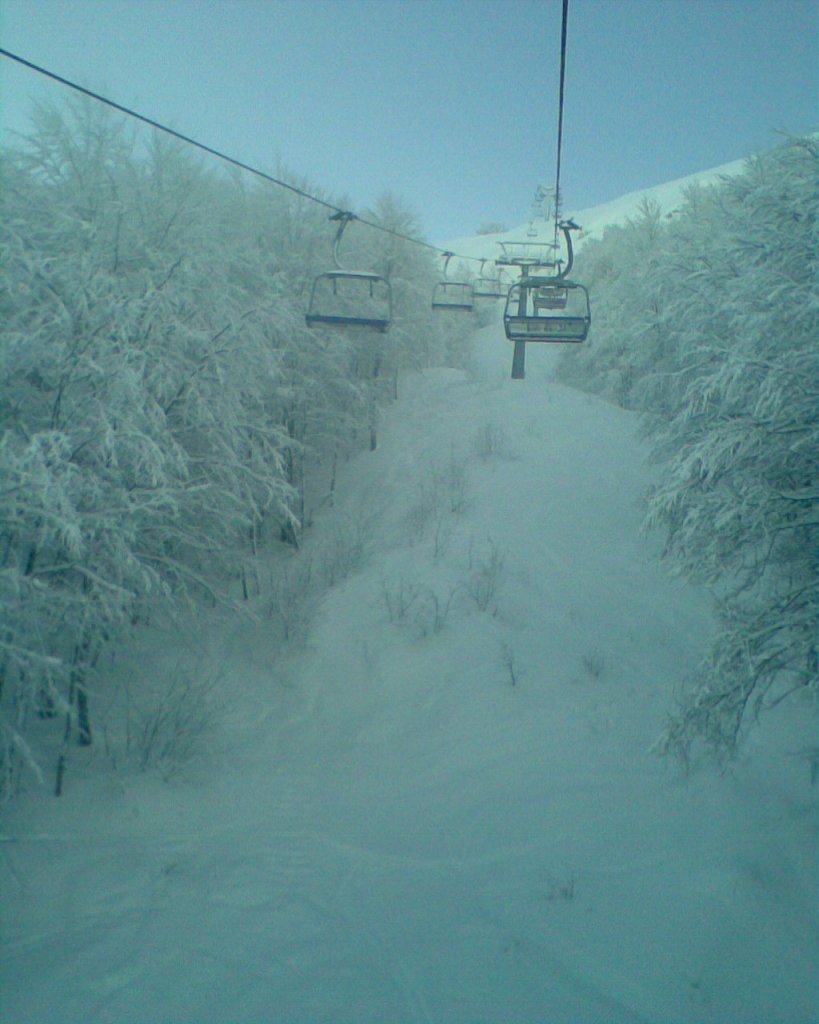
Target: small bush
444 491
510 663
490 442
171 724
399 599
485 577
450 480
425 509
561 889
346 549
594 663
418 606
289 601
433 611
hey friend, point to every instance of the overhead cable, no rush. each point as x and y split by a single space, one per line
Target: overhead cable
563 31
188 140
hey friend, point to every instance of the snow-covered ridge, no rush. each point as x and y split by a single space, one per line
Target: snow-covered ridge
596 219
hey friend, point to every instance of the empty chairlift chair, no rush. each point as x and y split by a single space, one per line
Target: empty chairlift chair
489 288
488 285
344 298
530 257
349 298
453 295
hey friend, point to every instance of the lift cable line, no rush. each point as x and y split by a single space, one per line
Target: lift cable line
563 33
188 140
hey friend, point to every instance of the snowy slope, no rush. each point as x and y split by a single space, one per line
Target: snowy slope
444 807
594 220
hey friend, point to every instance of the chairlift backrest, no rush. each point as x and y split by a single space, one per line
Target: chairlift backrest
550 296
453 295
487 284
488 288
534 255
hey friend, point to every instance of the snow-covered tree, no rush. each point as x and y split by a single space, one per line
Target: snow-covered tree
708 322
164 408
624 339
138 443
740 442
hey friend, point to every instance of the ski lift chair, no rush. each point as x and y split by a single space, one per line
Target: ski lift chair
488 286
453 295
344 298
555 312
349 298
528 256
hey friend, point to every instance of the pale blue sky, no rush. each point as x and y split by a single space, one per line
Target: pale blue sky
449 104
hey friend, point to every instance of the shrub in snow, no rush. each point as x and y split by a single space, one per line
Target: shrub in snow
423 511
444 491
432 610
164 723
399 598
418 606
490 442
594 663
289 594
561 889
450 480
510 663
485 574
346 548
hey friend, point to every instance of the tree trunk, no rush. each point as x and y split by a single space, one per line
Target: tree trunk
84 735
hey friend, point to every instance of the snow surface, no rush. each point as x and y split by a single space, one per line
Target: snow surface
444 806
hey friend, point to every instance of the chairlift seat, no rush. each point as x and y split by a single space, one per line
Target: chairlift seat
530 315
347 298
527 254
488 288
549 296
453 295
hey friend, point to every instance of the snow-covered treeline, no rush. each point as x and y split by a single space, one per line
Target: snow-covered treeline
165 409
707 320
